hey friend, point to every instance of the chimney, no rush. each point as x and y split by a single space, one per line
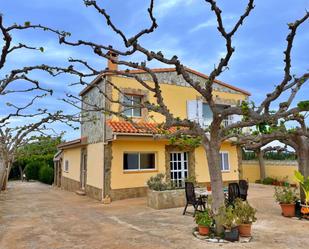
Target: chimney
110 65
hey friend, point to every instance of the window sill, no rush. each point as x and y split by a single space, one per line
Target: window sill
225 171
139 171
135 117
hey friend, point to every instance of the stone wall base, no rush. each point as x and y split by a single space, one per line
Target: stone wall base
69 184
125 193
93 192
166 199
73 186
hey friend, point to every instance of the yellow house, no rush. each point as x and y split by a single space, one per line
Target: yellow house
114 158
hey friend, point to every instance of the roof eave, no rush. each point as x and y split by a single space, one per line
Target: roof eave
100 76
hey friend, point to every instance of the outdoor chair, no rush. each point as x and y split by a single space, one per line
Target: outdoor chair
243 189
192 200
233 193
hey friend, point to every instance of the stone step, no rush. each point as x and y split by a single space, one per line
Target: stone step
80 192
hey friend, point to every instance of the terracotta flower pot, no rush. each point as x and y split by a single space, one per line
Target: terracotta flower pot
245 230
288 210
208 188
203 230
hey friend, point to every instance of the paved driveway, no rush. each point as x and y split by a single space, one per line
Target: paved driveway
34 215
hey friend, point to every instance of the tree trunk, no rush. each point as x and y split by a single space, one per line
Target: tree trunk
7 170
260 156
212 152
5 181
2 173
239 159
303 159
21 172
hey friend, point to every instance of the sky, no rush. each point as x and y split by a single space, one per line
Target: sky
187 28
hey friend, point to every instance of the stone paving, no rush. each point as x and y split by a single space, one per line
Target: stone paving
34 216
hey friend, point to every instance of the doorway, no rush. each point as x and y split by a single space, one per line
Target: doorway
83 169
178 168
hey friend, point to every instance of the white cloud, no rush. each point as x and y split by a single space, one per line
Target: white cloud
212 22
164 6
209 23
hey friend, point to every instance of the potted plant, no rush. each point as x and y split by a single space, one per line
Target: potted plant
304 184
204 221
229 220
286 196
246 216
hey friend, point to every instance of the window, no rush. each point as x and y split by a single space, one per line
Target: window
66 166
139 161
131 100
224 161
207 114
179 168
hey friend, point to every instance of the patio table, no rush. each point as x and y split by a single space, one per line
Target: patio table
203 192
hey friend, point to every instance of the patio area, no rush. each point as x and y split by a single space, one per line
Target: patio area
34 215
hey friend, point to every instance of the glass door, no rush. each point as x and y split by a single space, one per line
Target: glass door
179 168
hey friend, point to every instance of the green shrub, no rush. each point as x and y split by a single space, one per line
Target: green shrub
268 181
32 171
157 183
227 217
285 195
46 174
203 218
244 212
304 183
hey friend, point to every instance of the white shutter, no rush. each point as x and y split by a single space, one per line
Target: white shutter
200 112
195 111
192 110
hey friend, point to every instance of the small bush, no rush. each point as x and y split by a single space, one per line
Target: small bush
32 171
157 183
46 174
244 212
227 217
285 195
269 181
203 218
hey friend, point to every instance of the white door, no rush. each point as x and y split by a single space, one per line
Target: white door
179 168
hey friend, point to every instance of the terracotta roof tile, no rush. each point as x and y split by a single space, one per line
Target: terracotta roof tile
137 128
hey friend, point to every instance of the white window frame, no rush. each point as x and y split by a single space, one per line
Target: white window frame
228 121
66 166
127 96
182 169
223 168
139 160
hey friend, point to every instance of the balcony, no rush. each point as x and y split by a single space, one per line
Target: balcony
201 113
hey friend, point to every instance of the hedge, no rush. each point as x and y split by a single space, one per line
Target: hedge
46 174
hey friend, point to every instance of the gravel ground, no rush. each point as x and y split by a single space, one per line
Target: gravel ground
34 216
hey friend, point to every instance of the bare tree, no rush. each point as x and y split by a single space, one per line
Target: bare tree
216 133
260 154
11 139
296 137
36 120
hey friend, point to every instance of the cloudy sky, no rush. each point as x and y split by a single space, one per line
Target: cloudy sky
187 28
